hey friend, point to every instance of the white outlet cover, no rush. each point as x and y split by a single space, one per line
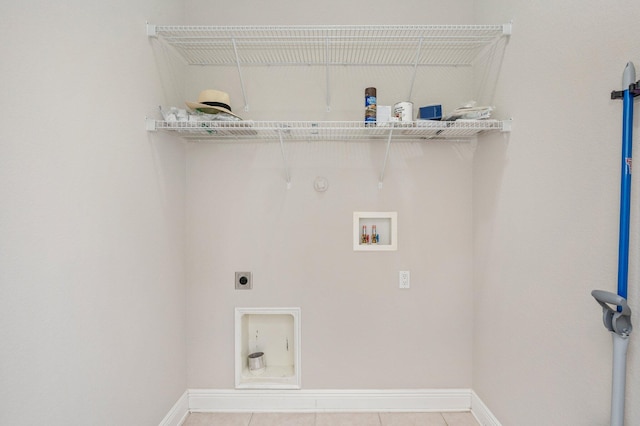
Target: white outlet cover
404 279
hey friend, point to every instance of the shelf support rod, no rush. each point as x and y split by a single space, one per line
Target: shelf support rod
326 66
244 94
415 68
284 160
386 157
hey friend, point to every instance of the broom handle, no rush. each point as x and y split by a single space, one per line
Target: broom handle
625 185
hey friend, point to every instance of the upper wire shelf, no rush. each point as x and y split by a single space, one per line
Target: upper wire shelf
408 45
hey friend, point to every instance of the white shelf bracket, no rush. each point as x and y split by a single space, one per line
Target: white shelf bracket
326 66
507 28
244 94
151 30
415 68
151 125
507 125
386 157
284 160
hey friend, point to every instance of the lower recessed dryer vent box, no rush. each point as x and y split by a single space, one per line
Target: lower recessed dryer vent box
272 337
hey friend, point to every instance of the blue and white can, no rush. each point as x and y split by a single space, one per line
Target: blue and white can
370 103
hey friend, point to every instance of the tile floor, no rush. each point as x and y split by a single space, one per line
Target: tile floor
331 419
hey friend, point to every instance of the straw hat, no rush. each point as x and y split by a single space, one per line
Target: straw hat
212 102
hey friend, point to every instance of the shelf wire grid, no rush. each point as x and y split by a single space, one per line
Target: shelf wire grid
326 130
412 45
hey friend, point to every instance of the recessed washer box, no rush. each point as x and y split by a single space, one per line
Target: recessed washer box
276 333
386 226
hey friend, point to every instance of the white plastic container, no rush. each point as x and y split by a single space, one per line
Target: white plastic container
403 111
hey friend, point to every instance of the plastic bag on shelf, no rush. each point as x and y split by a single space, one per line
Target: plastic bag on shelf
469 111
174 114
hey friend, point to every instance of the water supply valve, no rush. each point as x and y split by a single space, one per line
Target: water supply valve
615 320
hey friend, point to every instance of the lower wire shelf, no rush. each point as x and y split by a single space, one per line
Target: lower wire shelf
327 130
322 131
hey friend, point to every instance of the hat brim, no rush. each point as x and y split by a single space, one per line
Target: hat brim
208 109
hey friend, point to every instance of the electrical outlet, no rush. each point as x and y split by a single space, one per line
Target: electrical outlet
404 279
244 281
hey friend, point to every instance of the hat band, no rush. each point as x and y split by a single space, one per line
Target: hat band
217 104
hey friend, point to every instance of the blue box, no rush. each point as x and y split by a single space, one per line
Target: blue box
430 112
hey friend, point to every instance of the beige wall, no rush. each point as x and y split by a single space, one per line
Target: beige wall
358 329
91 242
546 215
504 239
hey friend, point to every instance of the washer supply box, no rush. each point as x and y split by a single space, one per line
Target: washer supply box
430 112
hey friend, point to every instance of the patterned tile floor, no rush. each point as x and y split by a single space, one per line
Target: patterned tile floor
331 419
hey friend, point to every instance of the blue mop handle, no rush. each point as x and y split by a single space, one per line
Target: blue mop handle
625 187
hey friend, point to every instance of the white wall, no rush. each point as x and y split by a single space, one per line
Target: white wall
91 224
358 329
91 254
546 215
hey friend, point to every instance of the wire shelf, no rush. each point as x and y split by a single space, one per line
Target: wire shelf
410 45
326 130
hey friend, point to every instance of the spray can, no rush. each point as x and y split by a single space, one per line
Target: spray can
370 102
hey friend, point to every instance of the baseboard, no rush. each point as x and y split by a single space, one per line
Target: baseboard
482 413
178 413
409 400
211 400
